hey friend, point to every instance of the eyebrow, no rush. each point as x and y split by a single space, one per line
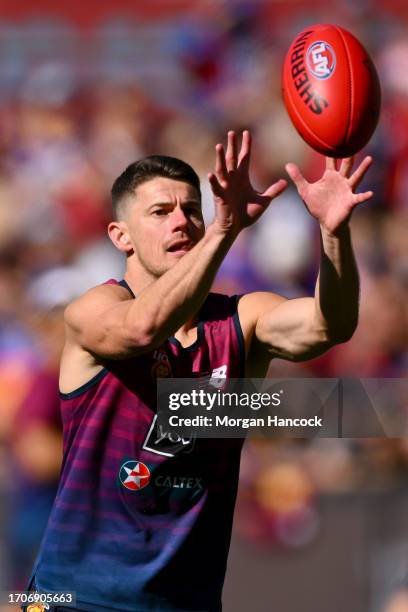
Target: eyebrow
184 203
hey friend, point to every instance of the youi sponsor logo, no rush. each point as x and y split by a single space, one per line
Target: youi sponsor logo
164 442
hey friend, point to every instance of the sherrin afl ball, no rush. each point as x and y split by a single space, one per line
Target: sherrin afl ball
331 90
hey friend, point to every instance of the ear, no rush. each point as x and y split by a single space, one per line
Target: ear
119 235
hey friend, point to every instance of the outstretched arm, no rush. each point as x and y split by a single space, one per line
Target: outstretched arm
302 328
106 325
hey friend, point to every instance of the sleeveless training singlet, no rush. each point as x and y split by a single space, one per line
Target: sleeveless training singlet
142 518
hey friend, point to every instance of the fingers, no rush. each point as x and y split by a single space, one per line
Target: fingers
220 164
275 189
245 153
359 198
356 178
346 166
215 185
297 177
228 162
331 163
231 156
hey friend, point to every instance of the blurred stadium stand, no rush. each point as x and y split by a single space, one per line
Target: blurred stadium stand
85 90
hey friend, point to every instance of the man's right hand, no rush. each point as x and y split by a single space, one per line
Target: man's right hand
237 204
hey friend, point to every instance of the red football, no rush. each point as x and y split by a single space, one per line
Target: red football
331 90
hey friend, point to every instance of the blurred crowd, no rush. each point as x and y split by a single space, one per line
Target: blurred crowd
70 122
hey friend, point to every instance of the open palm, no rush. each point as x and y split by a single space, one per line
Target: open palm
331 199
237 204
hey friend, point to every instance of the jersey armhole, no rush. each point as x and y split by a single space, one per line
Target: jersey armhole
95 379
91 383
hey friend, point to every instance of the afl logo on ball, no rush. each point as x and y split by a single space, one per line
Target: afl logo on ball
134 475
321 60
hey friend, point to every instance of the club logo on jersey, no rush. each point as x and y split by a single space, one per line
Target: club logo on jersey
321 60
38 607
161 367
167 443
134 475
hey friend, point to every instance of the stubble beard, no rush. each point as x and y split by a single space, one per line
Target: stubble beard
151 270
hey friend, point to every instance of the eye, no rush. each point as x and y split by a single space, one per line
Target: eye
159 212
192 211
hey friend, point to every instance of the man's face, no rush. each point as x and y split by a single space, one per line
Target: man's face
164 222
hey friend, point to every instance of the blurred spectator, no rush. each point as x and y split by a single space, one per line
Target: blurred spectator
77 107
35 438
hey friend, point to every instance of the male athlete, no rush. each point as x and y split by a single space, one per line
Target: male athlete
142 519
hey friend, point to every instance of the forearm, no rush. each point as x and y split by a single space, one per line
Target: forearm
337 287
177 295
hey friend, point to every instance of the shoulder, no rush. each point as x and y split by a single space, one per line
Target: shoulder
251 307
94 301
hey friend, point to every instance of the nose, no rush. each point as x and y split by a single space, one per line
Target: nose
178 219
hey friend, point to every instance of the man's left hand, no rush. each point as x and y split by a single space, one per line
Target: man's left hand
332 199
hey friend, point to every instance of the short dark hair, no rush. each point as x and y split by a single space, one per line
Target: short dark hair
146 169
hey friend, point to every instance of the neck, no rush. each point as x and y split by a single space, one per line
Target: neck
138 281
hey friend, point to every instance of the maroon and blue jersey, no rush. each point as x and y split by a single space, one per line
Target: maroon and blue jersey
142 518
